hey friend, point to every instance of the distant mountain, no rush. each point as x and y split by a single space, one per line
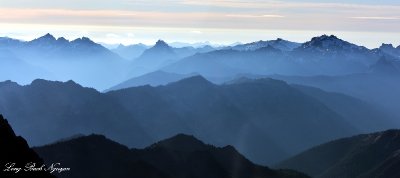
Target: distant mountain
48 46
364 116
153 79
189 51
194 45
81 60
6 42
14 149
390 50
130 52
330 55
378 88
368 155
14 68
228 62
161 55
279 43
181 156
154 58
386 66
323 55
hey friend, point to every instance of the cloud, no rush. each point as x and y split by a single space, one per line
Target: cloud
196 32
112 35
255 16
376 18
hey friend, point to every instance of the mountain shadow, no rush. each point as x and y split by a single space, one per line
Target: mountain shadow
368 155
266 120
15 153
181 156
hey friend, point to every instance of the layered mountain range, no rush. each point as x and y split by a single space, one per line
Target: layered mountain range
93 65
270 100
180 156
267 120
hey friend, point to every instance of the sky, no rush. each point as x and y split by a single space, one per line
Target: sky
365 22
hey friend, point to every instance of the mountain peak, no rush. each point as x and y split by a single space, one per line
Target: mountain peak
83 40
9 83
331 43
47 83
180 142
279 43
196 80
161 44
47 38
386 46
62 39
325 38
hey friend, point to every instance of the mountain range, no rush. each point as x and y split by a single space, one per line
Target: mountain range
180 156
93 65
81 59
266 120
270 100
324 55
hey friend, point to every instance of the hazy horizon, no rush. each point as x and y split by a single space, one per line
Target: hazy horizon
112 45
366 23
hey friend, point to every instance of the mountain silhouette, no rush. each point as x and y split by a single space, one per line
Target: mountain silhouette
376 87
385 66
130 52
84 111
161 55
13 67
367 155
153 78
264 119
323 55
389 49
255 111
81 59
279 43
179 156
14 149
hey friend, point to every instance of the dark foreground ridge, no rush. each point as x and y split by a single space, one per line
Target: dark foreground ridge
368 155
15 153
181 156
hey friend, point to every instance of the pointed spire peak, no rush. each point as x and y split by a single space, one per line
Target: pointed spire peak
47 37
161 43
